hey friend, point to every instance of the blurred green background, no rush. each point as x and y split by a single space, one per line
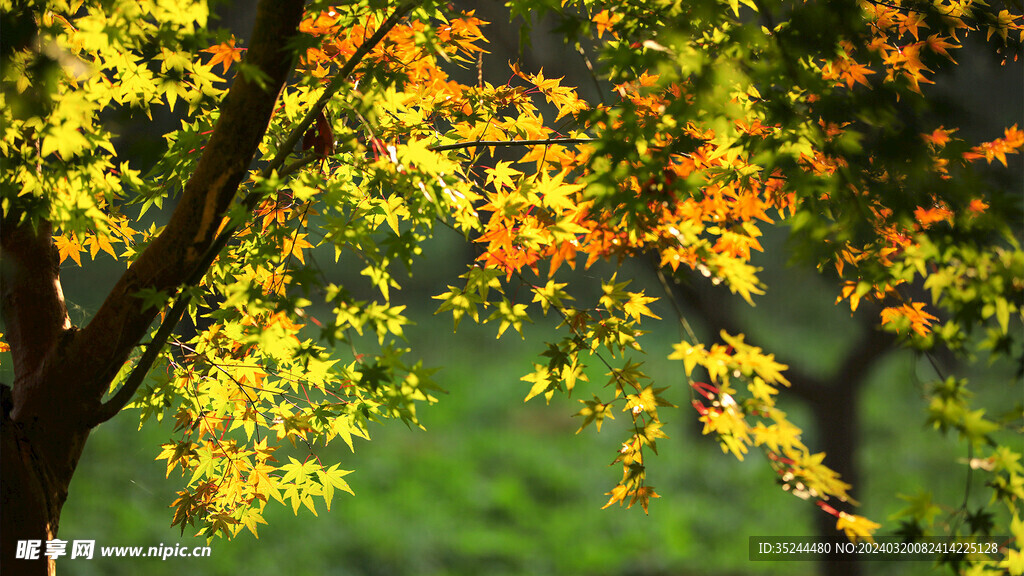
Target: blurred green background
496 486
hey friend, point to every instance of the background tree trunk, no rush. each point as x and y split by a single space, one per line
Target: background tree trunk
832 400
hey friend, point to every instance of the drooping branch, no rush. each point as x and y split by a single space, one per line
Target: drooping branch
974 18
715 311
89 362
833 399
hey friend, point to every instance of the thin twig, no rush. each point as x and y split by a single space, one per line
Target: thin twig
593 73
500 143
295 166
671 296
337 82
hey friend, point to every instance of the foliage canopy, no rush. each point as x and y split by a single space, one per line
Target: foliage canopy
712 121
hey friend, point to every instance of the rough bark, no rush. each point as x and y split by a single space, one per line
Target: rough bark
62 373
38 455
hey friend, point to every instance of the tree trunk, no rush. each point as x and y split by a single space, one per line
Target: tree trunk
38 452
835 405
837 423
61 374
38 462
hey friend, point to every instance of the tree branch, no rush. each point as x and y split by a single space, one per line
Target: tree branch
337 82
124 395
94 356
486 143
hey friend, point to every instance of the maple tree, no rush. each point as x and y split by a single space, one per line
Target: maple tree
344 135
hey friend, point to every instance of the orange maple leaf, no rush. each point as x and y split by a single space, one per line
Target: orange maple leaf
928 216
605 20
914 312
939 137
977 206
293 246
97 242
643 495
911 22
997 149
565 252
855 73
1013 137
224 54
939 45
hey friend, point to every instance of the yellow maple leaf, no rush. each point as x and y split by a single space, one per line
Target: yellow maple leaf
779 436
820 479
557 195
68 246
293 246
502 175
1004 20
636 306
97 242
617 494
857 528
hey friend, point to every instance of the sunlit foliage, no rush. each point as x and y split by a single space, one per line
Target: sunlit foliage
716 119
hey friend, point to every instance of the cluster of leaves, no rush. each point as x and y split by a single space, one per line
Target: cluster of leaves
800 470
719 120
